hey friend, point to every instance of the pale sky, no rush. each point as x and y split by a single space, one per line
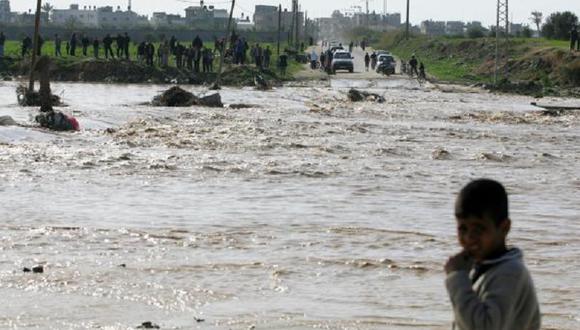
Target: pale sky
465 10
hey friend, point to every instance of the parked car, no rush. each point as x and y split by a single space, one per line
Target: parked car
342 60
386 64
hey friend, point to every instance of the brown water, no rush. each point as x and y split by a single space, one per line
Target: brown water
303 212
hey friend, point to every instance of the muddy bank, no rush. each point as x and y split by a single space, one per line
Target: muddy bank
120 71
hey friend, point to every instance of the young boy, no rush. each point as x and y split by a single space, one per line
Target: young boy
489 285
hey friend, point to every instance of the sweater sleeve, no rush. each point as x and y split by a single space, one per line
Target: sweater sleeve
492 311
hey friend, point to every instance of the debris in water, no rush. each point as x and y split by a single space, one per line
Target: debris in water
148 325
495 157
261 83
440 154
7 121
358 96
178 97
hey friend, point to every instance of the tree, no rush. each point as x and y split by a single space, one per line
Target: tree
537 18
474 32
72 24
526 32
47 8
558 25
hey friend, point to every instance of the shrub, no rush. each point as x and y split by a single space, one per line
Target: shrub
571 73
558 25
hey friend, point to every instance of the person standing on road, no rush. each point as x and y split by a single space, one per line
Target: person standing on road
374 58
313 60
413 64
367 62
574 39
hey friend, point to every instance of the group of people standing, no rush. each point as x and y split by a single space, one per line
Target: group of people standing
371 61
192 56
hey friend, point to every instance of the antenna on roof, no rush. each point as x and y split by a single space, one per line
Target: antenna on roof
129 6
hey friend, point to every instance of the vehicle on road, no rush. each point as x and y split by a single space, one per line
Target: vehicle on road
342 60
386 64
335 49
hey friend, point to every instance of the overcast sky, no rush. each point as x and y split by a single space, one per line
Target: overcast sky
465 10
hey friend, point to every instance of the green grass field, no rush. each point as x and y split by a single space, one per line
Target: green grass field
448 60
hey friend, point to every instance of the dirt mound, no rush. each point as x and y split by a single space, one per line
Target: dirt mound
246 76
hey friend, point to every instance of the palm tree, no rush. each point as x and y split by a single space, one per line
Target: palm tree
537 18
47 8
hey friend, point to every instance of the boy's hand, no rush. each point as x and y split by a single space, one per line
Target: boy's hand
460 261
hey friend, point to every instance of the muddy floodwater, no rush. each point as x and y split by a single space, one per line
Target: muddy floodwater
303 211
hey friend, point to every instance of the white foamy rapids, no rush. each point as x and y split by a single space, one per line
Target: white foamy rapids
302 211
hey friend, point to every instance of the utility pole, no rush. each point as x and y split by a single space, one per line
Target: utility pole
368 13
407 28
279 26
298 26
223 50
385 7
35 47
501 39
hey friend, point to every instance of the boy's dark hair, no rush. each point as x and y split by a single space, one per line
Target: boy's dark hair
483 198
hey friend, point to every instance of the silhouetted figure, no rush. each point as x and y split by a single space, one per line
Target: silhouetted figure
73 45
57 46
107 44
96 46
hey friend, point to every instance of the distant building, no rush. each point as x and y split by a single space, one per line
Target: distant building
5 15
475 25
433 28
266 19
393 19
162 19
516 29
107 17
455 28
87 16
206 17
97 17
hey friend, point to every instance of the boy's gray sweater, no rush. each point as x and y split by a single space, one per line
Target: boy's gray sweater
502 298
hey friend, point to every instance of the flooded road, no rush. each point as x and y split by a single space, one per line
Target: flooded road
303 211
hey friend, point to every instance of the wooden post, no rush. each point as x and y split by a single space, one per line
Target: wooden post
223 52
279 26
35 46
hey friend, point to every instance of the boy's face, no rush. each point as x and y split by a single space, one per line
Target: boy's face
481 237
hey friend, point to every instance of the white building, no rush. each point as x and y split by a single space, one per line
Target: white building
433 28
107 17
455 28
5 15
162 19
86 17
97 17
